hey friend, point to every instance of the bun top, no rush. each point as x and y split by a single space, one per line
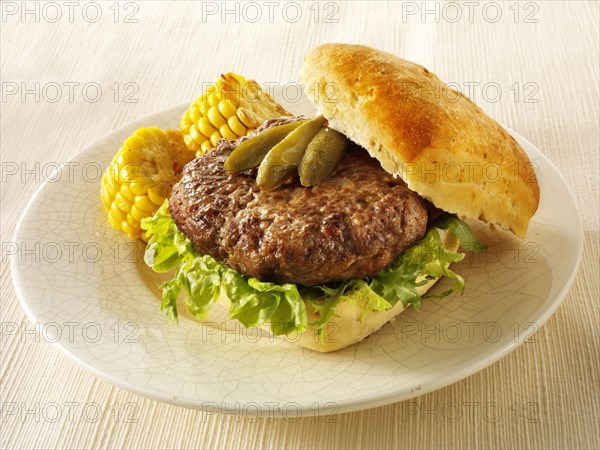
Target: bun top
437 140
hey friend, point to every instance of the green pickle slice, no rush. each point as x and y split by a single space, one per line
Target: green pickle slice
250 153
322 156
283 159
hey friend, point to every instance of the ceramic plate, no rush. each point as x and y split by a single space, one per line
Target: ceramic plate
86 288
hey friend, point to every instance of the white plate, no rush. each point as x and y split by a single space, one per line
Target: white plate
85 287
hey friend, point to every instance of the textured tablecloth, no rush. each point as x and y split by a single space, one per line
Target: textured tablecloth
73 71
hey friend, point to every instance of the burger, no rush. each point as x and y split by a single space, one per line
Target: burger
329 260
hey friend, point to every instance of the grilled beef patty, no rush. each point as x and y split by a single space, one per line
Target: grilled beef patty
353 225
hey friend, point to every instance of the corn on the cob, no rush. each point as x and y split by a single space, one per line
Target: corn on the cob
230 108
141 175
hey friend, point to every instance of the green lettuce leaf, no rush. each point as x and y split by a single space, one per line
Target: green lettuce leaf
422 263
166 249
283 306
202 277
468 241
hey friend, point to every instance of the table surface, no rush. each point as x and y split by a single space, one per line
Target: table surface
531 65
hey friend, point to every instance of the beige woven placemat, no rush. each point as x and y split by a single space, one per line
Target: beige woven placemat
73 71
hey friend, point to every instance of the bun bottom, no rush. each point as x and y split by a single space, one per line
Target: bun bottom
347 328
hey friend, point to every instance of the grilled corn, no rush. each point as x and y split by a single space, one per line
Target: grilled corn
230 108
141 175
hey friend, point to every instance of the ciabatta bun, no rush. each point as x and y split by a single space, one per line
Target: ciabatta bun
437 140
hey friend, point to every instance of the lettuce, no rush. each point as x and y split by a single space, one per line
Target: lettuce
283 306
253 302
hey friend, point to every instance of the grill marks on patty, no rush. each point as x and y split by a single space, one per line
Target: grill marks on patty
352 225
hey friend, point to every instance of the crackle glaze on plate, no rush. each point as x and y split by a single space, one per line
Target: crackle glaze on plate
89 292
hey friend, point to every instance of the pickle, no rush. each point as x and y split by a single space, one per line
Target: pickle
283 159
250 153
322 156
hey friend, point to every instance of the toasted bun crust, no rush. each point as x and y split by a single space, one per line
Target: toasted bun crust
442 144
347 328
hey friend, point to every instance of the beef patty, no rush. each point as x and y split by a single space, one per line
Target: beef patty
353 225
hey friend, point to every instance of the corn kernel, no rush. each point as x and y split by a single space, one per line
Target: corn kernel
135 141
185 123
155 197
227 108
195 134
114 223
112 172
132 221
122 203
143 203
194 114
110 187
138 187
204 107
227 133
206 127
144 137
126 158
213 100
126 192
206 145
236 126
137 213
117 213
246 119
214 138
215 117
131 231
